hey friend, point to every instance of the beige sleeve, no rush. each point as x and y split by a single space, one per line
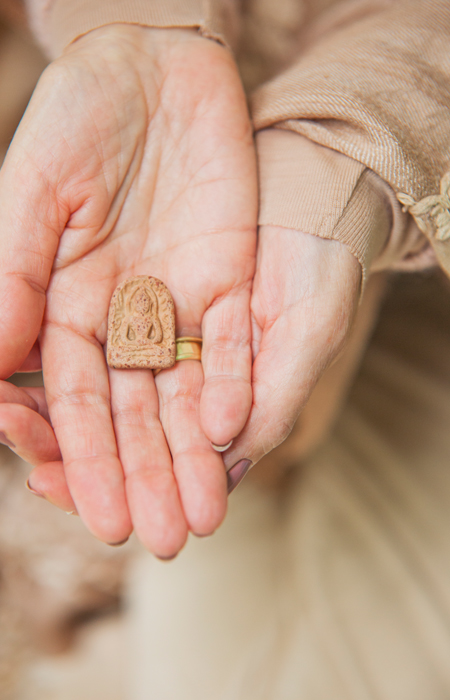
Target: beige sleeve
13 13
375 93
320 191
57 23
373 89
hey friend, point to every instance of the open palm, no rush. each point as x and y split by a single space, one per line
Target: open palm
134 157
304 298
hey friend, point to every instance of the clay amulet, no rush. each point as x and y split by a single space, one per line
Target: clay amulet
141 325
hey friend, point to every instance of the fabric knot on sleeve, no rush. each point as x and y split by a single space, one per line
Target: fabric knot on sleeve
431 214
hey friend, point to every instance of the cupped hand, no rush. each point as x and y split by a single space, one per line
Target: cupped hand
26 429
135 156
305 294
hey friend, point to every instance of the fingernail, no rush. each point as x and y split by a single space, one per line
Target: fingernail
209 534
166 558
5 440
221 448
237 473
71 512
118 544
33 491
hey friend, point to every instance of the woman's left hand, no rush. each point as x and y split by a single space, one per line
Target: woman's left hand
305 294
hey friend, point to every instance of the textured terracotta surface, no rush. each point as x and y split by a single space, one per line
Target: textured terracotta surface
141 325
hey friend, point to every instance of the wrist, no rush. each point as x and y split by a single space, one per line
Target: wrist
318 272
179 63
148 47
152 44
59 23
137 36
315 189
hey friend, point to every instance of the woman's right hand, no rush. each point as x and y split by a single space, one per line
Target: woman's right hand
25 429
135 156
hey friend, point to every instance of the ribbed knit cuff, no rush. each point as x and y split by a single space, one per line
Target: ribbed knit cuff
317 190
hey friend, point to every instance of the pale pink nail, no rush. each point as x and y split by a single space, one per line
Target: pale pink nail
118 544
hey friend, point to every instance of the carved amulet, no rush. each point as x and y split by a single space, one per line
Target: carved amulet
141 325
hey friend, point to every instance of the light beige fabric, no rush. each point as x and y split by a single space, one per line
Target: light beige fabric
313 189
337 587
20 66
371 87
58 22
366 79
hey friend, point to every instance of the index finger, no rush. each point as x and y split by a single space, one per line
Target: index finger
31 221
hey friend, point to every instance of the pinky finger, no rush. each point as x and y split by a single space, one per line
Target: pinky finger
33 362
48 480
31 437
28 434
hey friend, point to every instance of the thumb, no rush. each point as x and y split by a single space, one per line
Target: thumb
30 225
315 305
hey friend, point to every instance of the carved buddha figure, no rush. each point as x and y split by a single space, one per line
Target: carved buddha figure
141 324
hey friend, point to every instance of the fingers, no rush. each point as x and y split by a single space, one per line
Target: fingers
20 319
48 481
305 294
280 390
31 396
32 363
9 393
227 361
152 492
28 434
78 397
198 469
37 393
25 429
29 237
24 423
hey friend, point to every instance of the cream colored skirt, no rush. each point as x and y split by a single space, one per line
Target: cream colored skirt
337 588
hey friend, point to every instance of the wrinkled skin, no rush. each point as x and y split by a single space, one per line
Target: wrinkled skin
151 170
135 156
